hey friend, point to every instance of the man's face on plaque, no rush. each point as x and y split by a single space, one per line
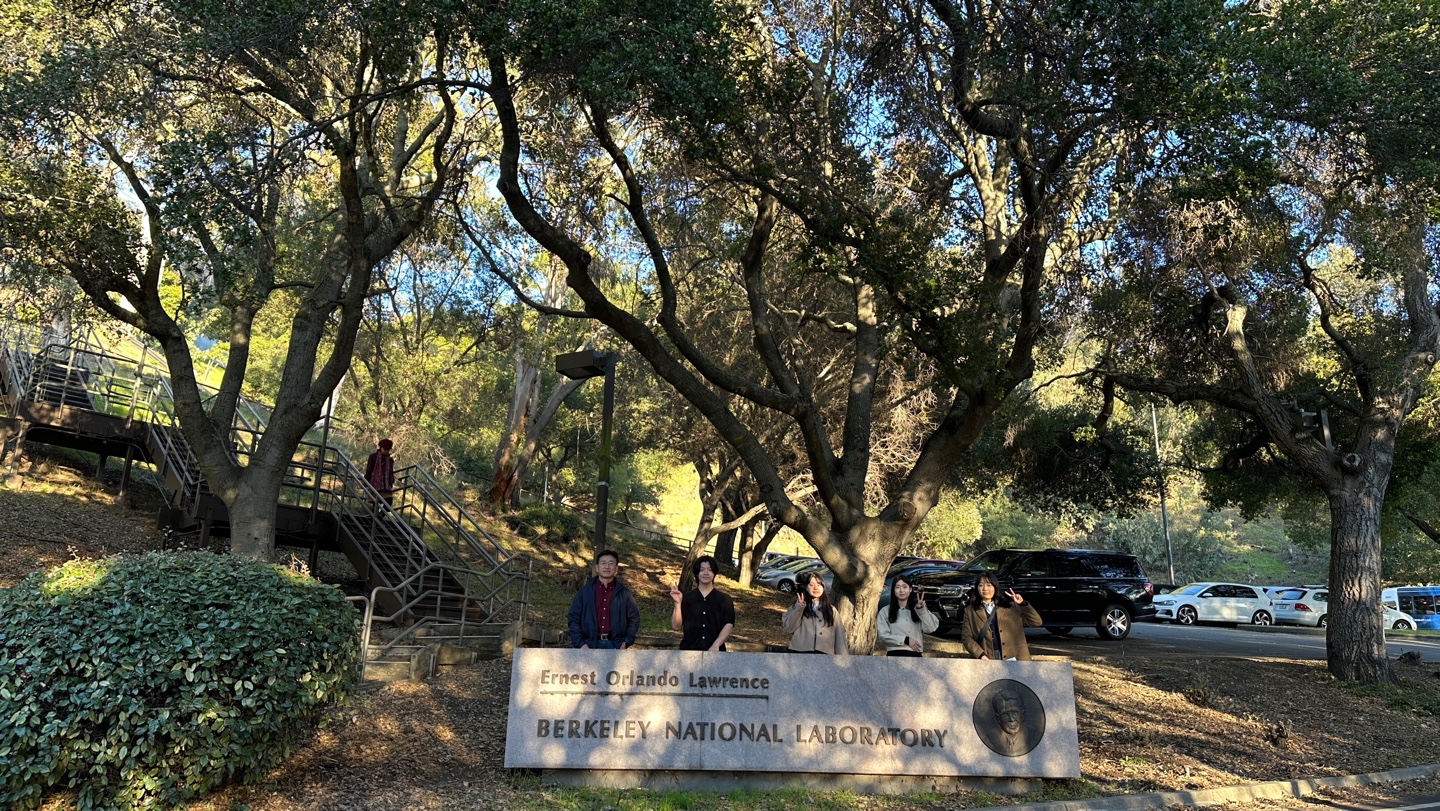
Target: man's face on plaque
1011 715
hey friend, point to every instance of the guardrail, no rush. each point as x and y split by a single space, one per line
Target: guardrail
423 625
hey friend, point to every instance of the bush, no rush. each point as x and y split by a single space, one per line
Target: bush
145 680
550 522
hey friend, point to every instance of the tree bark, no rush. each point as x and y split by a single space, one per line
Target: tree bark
505 482
252 516
709 501
875 540
750 557
1355 638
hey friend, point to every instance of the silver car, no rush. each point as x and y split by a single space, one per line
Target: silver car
783 577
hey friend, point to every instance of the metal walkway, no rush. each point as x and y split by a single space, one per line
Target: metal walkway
429 566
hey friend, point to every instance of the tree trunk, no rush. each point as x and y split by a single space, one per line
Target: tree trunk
504 484
1355 638
874 542
708 503
750 558
252 516
537 426
725 547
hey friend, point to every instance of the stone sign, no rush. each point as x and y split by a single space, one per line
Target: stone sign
686 710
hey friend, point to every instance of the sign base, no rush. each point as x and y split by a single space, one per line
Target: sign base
668 780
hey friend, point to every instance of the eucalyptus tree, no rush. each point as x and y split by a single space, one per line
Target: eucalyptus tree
905 187
234 151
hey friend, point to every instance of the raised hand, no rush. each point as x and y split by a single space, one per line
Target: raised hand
676 594
799 597
1016 597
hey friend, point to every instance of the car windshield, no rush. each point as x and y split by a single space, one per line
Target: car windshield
1193 588
994 560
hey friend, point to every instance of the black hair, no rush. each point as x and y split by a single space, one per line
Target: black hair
611 552
909 603
695 567
824 613
1001 600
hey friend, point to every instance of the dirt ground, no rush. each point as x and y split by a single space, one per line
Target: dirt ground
1151 725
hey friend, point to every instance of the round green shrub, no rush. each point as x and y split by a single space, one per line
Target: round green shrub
142 681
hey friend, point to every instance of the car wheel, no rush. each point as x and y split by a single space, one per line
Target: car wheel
1324 621
1402 625
1260 618
1186 615
787 586
1058 630
1114 623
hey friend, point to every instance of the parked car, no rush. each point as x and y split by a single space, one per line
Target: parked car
777 558
783 577
1301 605
912 568
1398 620
1309 605
1069 587
1215 602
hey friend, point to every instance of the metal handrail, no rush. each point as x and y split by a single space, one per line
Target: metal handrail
139 388
418 598
453 514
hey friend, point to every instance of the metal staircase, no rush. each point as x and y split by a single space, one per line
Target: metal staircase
437 579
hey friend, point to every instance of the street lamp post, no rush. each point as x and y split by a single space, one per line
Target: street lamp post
580 366
1164 513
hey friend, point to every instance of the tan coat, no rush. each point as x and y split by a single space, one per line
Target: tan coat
975 635
812 634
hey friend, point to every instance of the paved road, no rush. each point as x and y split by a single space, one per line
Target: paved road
1155 639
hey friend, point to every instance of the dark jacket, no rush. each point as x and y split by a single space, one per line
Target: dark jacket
585 622
1013 620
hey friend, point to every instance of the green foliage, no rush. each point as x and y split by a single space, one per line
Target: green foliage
550 522
950 529
618 54
1196 553
636 480
144 680
1060 463
1006 525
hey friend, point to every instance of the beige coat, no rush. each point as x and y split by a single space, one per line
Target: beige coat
1014 620
893 635
811 634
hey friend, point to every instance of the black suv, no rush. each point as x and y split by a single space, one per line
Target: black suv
1069 587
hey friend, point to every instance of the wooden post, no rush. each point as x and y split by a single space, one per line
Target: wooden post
18 456
100 467
125 473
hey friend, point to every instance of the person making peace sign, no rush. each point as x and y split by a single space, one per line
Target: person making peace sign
993 624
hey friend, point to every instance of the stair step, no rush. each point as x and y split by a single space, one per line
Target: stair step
387 671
